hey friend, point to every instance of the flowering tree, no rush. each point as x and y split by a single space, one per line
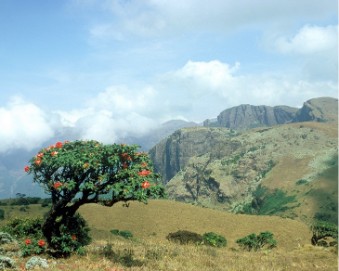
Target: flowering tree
80 172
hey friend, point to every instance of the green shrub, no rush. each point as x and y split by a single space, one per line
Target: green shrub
74 234
267 202
322 231
214 240
24 227
2 214
125 234
185 237
256 242
32 247
301 181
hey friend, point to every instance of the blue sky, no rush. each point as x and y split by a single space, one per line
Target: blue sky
107 68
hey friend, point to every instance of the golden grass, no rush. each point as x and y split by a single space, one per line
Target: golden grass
150 256
150 250
158 218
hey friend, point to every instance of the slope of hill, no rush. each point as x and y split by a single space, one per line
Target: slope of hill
160 217
150 250
289 169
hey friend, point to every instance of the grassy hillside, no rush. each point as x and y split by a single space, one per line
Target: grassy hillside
149 249
295 166
158 218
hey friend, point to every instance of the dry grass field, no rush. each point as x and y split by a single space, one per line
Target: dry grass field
150 250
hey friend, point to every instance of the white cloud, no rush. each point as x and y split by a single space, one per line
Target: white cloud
23 125
153 18
310 40
196 91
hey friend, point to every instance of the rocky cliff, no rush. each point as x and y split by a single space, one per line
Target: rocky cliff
247 116
324 109
217 166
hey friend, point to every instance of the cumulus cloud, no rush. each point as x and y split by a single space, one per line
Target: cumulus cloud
23 125
196 91
310 40
206 88
115 113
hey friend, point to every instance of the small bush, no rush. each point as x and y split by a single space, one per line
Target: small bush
322 231
185 237
74 234
24 227
301 181
125 234
256 242
214 240
32 247
2 214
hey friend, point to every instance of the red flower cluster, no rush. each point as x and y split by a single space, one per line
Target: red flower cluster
57 185
144 173
58 145
28 242
41 243
145 185
38 161
27 168
74 238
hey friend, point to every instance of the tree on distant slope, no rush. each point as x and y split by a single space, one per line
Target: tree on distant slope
81 172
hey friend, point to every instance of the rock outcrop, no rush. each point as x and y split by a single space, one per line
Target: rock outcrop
247 116
324 109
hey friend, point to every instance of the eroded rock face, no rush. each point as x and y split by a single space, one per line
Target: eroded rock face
249 116
323 109
173 153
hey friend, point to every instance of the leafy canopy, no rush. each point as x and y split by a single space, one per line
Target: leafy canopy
91 172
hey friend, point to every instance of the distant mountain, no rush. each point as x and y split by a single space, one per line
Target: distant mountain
247 116
293 167
155 135
322 109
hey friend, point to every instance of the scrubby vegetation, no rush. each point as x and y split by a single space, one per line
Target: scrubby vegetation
256 242
267 202
324 234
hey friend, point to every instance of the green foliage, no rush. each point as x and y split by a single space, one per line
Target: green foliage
257 242
185 237
321 231
125 234
301 182
73 235
268 203
214 240
2 214
81 172
32 247
24 227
